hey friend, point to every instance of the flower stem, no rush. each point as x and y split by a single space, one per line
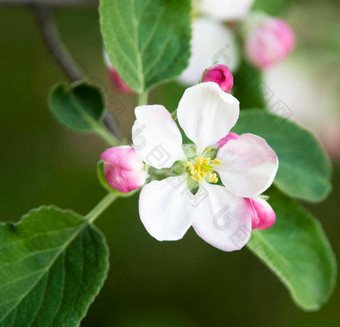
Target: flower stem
143 98
106 136
101 207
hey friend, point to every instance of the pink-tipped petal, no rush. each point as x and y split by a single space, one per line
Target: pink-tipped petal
263 215
123 169
230 136
249 165
221 75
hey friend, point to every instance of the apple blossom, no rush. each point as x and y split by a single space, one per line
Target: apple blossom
123 169
227 10
212 43
220 75
299 75
263 215
268 41
211 183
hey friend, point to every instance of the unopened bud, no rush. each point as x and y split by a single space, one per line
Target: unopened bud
115 79
220 75
262 214
268 41
123 169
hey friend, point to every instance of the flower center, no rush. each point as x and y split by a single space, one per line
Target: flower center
202 168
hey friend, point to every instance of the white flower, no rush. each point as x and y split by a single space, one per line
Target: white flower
246 166
226 10
212 43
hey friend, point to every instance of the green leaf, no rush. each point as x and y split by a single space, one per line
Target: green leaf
272 7
304 169
148 41
296 249
79 107
249 87
52 265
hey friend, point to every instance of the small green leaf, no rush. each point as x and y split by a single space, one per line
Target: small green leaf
304 168
148 42
52 265
296 249
79 107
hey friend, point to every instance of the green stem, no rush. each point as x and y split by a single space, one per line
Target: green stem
174 115
106 136
143 98
101 207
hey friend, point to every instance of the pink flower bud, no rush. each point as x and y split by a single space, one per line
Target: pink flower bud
263 215
269 42
220 75
123 169
115 79
118 82
230 136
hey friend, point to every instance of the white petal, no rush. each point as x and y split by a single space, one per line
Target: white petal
222 219
211 43
225 9
156 137
164 208
249 165
207 114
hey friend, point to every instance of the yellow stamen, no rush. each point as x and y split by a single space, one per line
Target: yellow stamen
217 162
203 168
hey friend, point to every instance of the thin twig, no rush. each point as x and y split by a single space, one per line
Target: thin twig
50 3
54 44
63 58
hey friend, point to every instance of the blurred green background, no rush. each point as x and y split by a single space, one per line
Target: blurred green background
150 284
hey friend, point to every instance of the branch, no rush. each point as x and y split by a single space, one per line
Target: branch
50 3
54 44
62 56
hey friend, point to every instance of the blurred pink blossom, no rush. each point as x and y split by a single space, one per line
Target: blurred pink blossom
115 79
268 42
